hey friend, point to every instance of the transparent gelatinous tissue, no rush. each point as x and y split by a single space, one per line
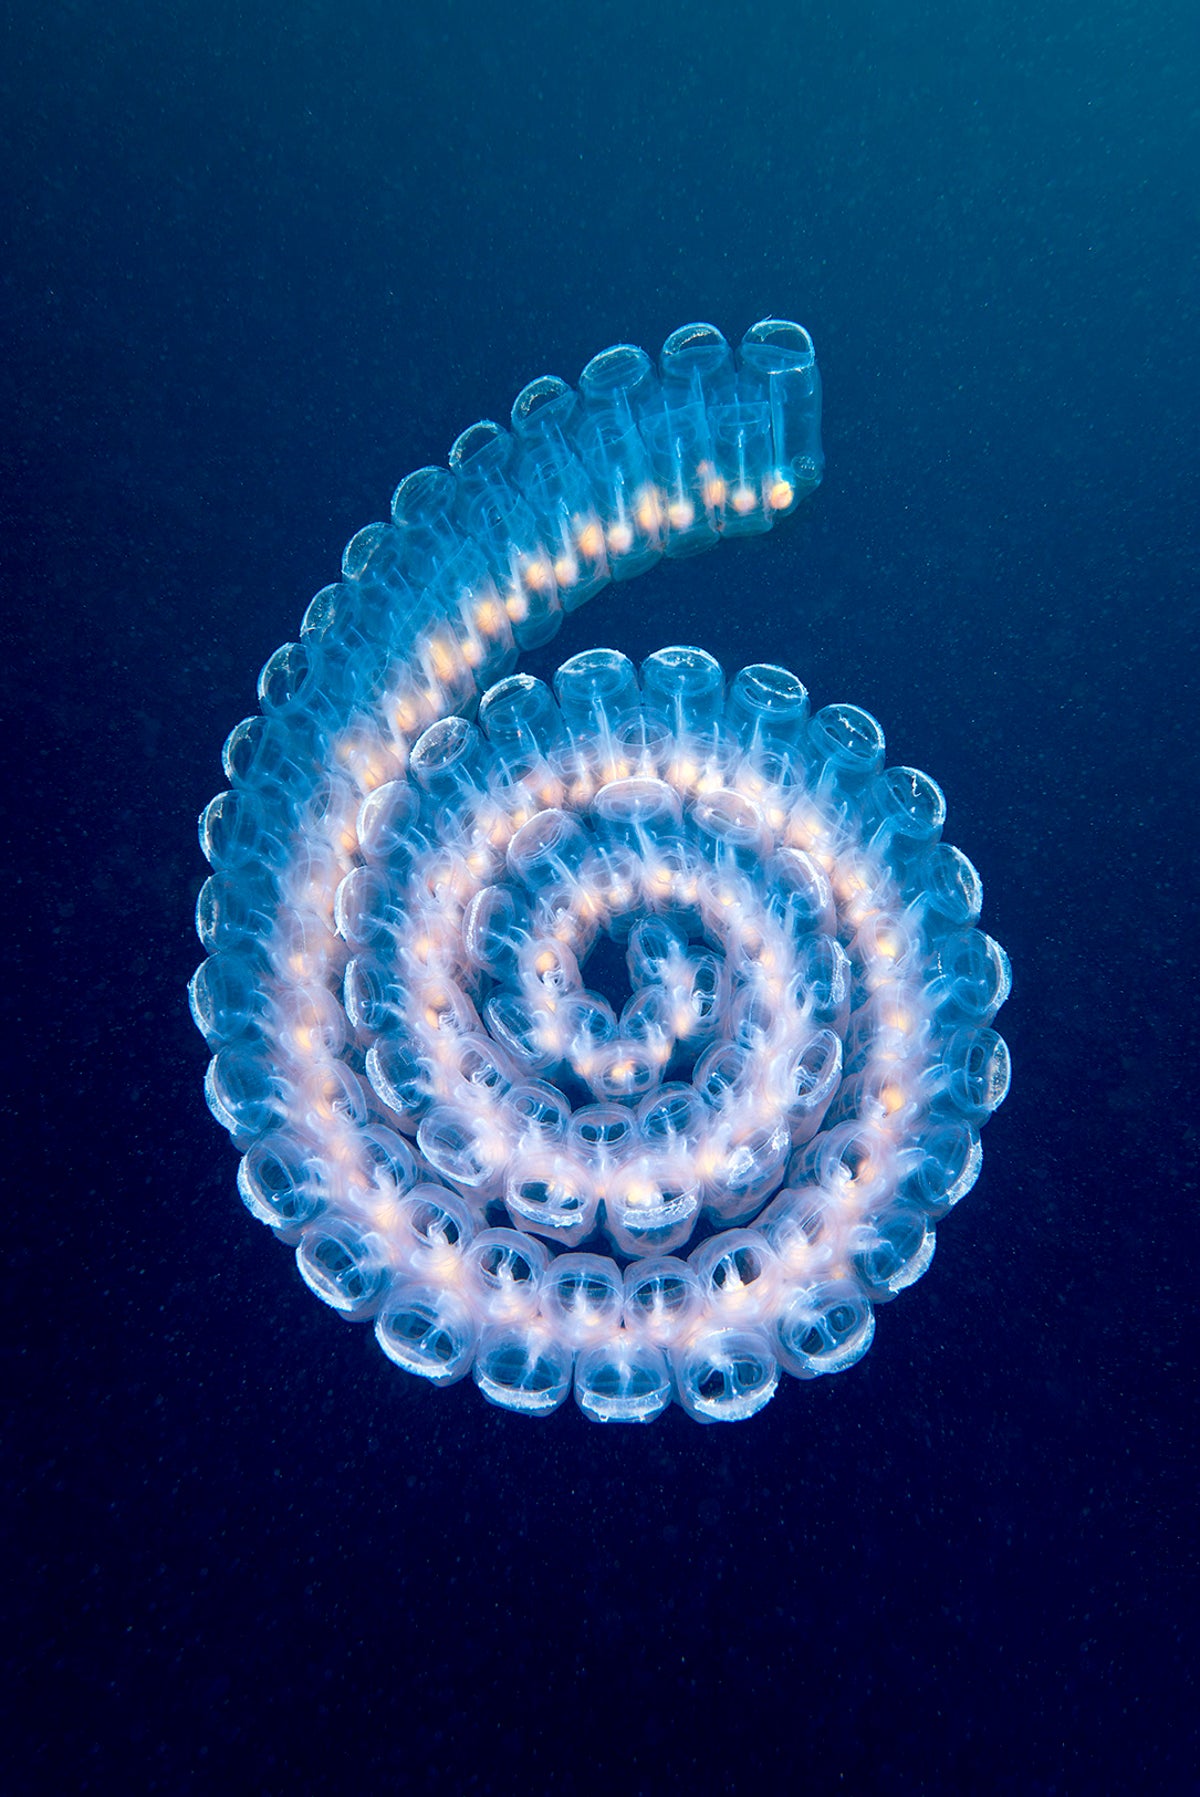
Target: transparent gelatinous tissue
626 1035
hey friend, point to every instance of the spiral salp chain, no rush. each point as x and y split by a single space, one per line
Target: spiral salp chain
630 1037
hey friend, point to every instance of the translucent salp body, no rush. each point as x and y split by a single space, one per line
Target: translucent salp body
671 1192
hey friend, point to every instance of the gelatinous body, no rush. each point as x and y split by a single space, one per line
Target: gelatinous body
629 1037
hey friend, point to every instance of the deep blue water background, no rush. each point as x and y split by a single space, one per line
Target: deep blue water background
259 262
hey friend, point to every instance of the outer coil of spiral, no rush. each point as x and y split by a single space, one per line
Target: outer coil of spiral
430 1101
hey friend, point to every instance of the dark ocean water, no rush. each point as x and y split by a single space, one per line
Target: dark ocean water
259 262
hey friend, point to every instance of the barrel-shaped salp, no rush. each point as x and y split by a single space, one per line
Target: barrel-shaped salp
847 749
697 379
498 516
549 849
551 1193
387 825
643 816
912 811
974 977
976 1069
688 499
696 367
523 1367
685 688
273 754
545 420
948 887
425 514
725 1375
615 387
597 692
895 1250
776 359
344 1264
942 1164
582 1298
279 1183
234 910
766 711
652 1203
246 1092
622 1380
519 716
801 896
445 761
428 1330
462 1146
824 1328
226 996
236 830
